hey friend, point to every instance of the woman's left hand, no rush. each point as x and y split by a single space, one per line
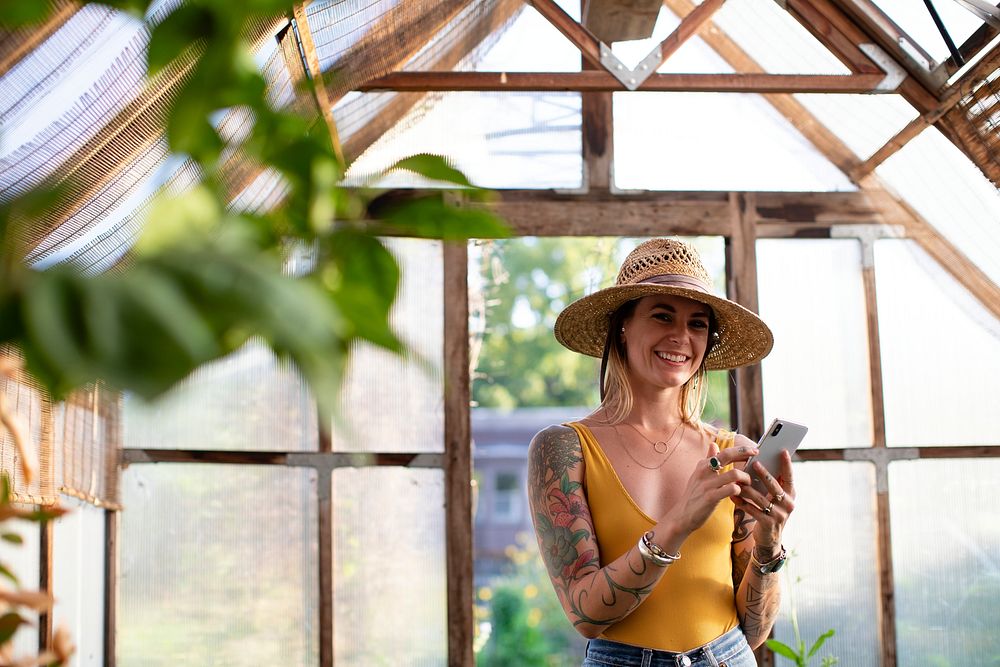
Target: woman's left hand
771 511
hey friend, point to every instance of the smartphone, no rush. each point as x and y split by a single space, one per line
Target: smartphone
780 435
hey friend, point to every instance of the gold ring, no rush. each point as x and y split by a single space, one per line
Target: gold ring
778 498
767 510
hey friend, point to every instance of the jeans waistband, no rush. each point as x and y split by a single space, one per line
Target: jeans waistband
714 652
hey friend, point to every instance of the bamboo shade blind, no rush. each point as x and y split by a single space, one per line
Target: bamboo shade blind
25 401
975 121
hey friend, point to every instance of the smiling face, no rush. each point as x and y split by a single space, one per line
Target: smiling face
665 340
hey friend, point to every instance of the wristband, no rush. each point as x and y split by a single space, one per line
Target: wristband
654 553
771 566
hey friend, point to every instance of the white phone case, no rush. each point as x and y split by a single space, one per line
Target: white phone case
780 435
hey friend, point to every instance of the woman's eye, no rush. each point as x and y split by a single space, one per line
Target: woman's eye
699 324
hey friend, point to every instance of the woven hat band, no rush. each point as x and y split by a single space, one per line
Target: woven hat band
677 280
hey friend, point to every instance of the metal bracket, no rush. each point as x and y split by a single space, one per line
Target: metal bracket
630 78
894 74
867 234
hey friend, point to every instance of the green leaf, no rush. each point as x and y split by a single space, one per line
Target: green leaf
431 216
15 14
434 167
7 573
13 538
179 31
819 642
54 329
368 281
9 623
179 220
784 650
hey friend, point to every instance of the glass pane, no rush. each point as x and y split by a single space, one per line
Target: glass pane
392 403
246 401
23 561
78 584
218 564
948 579
940 353
812 296
831 579
389 557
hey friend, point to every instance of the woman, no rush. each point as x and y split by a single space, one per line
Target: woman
659 549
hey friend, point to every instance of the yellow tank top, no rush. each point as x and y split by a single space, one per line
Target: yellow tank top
694 602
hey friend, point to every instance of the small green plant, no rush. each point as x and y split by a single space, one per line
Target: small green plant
799 655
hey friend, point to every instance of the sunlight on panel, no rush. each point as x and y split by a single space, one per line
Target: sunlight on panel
945 541
946 188
78 584
940 353
391 402
389 579
831 578
812 296
218 566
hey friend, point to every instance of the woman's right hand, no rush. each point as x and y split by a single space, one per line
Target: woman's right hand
706 487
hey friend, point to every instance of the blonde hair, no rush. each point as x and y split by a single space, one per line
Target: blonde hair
617 391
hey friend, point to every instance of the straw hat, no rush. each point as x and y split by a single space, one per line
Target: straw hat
665 266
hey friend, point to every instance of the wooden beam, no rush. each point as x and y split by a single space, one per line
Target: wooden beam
324 106
16 44
597 130
458 454
326 562
888 36
899 453
46 583
839 33
594 81
825 141
601 213
688 28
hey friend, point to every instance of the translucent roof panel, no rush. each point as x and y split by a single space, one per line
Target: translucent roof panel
714 141
943 186
915 20
516 49
500 140
863 122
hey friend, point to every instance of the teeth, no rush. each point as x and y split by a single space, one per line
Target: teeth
671 357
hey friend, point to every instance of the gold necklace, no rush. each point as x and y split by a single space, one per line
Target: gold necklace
665 446
660 447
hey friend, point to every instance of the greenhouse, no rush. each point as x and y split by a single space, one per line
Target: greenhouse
278 286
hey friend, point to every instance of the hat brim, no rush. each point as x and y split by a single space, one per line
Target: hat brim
744 339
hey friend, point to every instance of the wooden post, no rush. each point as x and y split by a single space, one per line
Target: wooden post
742 255
458 454
887 611
111 520
597 121
45 552
324 518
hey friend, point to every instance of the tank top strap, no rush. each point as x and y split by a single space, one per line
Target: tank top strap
725 439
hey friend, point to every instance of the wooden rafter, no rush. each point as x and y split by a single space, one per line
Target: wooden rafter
594 81
969 50
951 97
688 27
581 38
323 105
892 39
843 37
16 44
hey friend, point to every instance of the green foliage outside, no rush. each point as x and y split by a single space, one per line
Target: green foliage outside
527 625
527 282
204 278
798 652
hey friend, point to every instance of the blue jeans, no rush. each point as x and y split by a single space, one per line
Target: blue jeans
729 650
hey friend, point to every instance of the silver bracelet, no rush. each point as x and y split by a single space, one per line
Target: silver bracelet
654 553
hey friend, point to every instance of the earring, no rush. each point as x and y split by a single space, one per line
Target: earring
623 330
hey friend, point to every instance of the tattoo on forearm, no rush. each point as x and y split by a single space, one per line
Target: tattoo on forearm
762 601
741 561
591 595
743 524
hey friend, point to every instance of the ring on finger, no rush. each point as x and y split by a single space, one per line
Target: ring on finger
715 463
778 498
770 506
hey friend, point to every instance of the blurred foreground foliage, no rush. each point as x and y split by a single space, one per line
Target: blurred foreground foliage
204 278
